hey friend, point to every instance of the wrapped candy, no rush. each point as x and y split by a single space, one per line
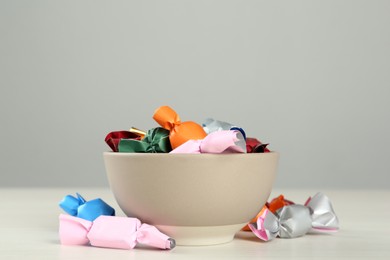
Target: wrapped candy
296 220
111 232
255 146
156 140
272 206
113 138
211 125
180 132
88 210
277 203
224 141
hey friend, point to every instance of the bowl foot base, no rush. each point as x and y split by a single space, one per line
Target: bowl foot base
202 235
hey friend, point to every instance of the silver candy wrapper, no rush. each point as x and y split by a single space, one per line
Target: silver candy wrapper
211 125
297 220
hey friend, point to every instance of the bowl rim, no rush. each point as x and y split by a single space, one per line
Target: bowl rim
118 154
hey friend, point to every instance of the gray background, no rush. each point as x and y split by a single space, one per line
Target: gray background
309 77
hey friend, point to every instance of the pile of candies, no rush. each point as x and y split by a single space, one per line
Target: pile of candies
94 222
174 136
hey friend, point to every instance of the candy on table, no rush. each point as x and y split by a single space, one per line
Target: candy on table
224 141
156 140
296 220
93 222
88 210
278 203
274 205
180 132
111 232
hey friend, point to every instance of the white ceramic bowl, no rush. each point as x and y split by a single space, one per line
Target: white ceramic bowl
197 199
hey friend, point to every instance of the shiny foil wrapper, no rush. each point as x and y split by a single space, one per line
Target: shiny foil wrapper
296 220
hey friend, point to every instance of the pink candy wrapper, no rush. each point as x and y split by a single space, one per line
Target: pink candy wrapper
111 232
225 141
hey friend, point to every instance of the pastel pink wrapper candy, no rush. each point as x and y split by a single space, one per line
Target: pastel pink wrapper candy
111 232
225 141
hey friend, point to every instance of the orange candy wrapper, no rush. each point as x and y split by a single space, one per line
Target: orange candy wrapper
273 206
277 203
180 132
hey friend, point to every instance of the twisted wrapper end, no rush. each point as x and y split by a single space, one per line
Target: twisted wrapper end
267 225
255 146
156 140
322 213
150 235
166 117
73 230
88 210
113 138
70 204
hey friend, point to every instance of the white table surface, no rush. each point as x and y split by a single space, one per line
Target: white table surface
29 230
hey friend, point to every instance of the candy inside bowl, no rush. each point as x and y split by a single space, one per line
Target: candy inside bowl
197 199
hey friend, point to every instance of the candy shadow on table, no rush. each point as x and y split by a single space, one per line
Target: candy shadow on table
320 234
72 248
248 236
